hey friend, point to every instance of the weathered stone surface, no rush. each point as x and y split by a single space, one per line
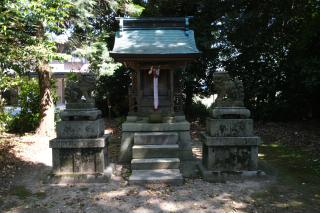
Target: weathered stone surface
79 160
80 143
229 158
80 129
75 90
187 155
180 118
85 114
82 105
184 136
132 118
189 169
155 151
125 154
155 117
229 127
155 163
225 86
104 177
156 138
230 141
185 145
127 136
236 112
229 175
228 103
156 127
159 177
168 120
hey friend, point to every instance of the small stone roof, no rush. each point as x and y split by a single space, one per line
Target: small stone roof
154 37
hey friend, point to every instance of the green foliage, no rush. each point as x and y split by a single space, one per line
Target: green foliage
198 111
93 34
23 42
114 89
74 76
5 117
120 120
29 101
270 46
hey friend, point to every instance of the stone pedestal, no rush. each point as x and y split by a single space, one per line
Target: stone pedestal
177 126
229 148
80 152
155 150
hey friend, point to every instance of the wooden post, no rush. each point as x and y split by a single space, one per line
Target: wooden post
138 89
171 91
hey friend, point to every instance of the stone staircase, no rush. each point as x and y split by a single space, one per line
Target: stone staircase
155 159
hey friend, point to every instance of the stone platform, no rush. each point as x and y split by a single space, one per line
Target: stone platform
177 127
155 150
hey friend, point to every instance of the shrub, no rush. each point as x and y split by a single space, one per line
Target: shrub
113 90
198 111
29 101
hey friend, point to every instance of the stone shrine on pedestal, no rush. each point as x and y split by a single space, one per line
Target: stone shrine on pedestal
80 152
229 148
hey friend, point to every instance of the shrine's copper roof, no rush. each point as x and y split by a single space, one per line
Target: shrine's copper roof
154 38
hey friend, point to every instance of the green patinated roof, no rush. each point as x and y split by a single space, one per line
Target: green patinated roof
155 37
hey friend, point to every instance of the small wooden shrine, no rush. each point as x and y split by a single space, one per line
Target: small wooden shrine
158 43
155 136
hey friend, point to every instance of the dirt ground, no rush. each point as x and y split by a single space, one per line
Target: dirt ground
22 188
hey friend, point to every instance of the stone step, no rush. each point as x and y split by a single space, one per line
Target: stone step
170 177
155 151
156 138
155 163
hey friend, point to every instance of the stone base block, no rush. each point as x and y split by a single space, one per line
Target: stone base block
80 155
80 143
225 112
229 175
104 177
229 127
230 153
80 129
90 114
151 178
228 103
81 105
230 141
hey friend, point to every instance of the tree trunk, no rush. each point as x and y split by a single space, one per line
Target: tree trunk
46 117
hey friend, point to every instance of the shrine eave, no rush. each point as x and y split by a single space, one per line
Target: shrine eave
121 57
